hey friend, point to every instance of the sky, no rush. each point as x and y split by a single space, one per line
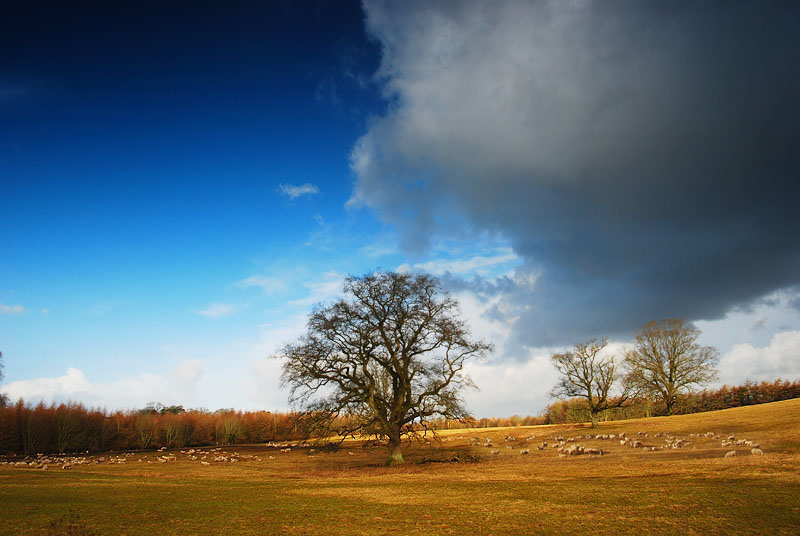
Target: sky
181 182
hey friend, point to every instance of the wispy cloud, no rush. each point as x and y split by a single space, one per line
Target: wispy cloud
217 310
328 288
270 285
293 191
478 264
11 309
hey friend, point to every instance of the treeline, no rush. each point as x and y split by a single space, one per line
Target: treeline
61 428
65 428
577 410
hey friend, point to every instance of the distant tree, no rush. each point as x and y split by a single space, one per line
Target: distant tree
588 375
3 397
172 410
666 361
388 356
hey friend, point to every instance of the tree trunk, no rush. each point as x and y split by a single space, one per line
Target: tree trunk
594 419
395 454
670 402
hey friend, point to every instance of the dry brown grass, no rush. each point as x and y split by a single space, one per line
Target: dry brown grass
692 490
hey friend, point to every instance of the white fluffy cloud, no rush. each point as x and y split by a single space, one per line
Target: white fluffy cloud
781 359
177 386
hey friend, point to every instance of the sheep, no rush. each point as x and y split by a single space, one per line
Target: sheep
524 451
756 452
574 450
495 452
730 454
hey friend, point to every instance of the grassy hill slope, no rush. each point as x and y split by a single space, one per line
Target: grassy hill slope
693 489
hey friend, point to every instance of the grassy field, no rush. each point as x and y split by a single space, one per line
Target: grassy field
688 490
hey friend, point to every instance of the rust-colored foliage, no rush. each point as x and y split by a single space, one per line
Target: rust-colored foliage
58 428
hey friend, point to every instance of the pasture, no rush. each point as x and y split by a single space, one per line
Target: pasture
457 484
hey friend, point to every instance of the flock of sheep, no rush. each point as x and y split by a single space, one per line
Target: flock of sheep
565 447
643 440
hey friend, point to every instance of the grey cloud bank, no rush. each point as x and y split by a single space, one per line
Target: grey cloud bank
639 156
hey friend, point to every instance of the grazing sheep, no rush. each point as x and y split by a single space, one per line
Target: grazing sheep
205 463
730 454
574 450
524 451
495 452
757 452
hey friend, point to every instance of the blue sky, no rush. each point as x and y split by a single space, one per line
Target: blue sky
180 183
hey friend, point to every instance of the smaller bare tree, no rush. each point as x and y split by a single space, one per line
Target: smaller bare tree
666 360
586 374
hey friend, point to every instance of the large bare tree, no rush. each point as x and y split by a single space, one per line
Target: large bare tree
665 360
385 358
588 375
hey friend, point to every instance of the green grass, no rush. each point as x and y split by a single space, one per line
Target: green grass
688 491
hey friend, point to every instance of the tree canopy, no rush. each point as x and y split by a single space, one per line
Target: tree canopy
385 358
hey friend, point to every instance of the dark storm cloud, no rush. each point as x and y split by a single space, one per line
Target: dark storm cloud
641 157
